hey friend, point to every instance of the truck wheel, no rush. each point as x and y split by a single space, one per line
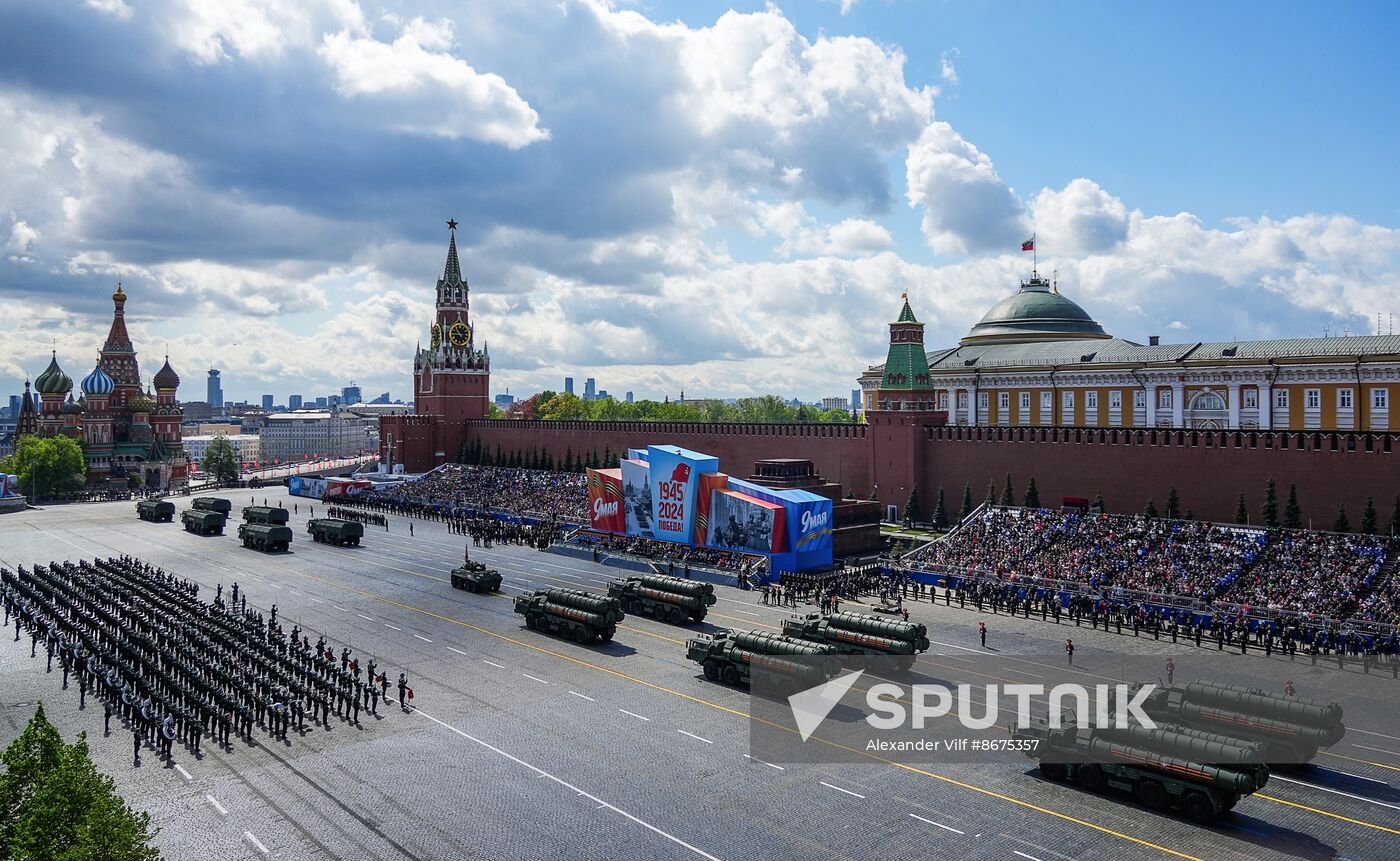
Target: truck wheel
729 674
1090 778
1197 806
677 615
1152 794
1053 770
698 616
907 664
711 669
607 634
658 612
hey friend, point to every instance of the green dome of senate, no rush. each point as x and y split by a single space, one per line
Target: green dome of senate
1034 313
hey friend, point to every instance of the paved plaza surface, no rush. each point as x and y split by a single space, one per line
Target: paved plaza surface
525 746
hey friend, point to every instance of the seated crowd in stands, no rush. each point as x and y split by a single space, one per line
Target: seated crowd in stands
456 490
1320 573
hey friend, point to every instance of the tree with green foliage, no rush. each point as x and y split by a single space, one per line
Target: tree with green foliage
940 514
966 508
1150 510
1032 497
1341 524
874 494
1268 512
1008 493
1292 514
56 806
1241 511
46 465
1173 504
1098 502
912 506
1368 517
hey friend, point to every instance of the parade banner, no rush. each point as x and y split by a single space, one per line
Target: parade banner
809 523
675 479
312 487
637 454
636 497
741 522
605 500
709 483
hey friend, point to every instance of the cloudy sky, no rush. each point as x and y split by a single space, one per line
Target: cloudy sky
672 196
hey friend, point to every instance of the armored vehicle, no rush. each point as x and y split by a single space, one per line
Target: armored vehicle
330 531
1164 769
893 641
578 615
156 510
1292 729
203 522
476 577
267 537
730 656
264 514
213 503
665 599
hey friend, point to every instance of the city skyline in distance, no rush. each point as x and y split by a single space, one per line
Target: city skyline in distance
725 237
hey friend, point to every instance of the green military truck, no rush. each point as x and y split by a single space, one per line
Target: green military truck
665 599
267 537
730 656
267 514
213 503
892 643
1293 729
1200 774
327 530
476 577
156 510
581 616
202 522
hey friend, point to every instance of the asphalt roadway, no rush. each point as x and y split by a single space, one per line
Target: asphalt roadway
525 746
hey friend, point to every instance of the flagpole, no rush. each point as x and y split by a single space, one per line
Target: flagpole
1035 256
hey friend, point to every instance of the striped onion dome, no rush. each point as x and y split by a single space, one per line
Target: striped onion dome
97 383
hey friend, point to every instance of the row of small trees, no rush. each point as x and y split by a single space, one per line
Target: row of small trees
56 806
477 453
1270 516
46 466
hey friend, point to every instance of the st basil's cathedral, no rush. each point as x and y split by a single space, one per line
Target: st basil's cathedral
126 433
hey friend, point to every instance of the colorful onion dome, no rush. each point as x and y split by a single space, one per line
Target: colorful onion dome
53 381
97 383
71 407
166 378
142 403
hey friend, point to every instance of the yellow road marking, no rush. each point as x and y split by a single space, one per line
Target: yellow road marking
1354 759
1360 822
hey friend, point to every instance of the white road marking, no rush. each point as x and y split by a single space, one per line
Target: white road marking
458 651
535 678
295 592
363 616
937 824
340 608
423 638
1376 749
600 802
747 613
839 789
581 696
180 768
1368 732
1359 777
395 627
634 714
275 585
1334 791
255 841
217 806
318 600
769 764
694 736
1024 855
493 663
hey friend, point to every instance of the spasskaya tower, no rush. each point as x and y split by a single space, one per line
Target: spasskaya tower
451 378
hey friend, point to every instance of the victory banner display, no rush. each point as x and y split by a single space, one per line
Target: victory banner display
605 500
636 497
675 480
740 522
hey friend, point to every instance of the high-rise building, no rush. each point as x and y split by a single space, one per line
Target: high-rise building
629 397
322 403
14 406
293 402
590 389
834 403
382 399
333 400
351 394
505 400
267 402
568 385
215 398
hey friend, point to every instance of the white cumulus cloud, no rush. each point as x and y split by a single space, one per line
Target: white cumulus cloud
967 207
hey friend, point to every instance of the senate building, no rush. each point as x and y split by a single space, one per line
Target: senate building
1038 359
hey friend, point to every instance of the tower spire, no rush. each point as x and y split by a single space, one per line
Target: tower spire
452 272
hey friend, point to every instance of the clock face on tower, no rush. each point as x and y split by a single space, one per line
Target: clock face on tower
437 335
460 334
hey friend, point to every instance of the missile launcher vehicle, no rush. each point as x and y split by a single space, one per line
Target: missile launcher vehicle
730 657
327 530
267 537
581 616
268 514
202 522
894 642
665 599
156 510
213 503
476 577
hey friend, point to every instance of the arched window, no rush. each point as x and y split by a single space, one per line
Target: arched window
1207 401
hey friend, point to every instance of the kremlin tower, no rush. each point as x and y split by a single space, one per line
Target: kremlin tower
451 378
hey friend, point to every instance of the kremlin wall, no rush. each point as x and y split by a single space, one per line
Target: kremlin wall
1213 427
